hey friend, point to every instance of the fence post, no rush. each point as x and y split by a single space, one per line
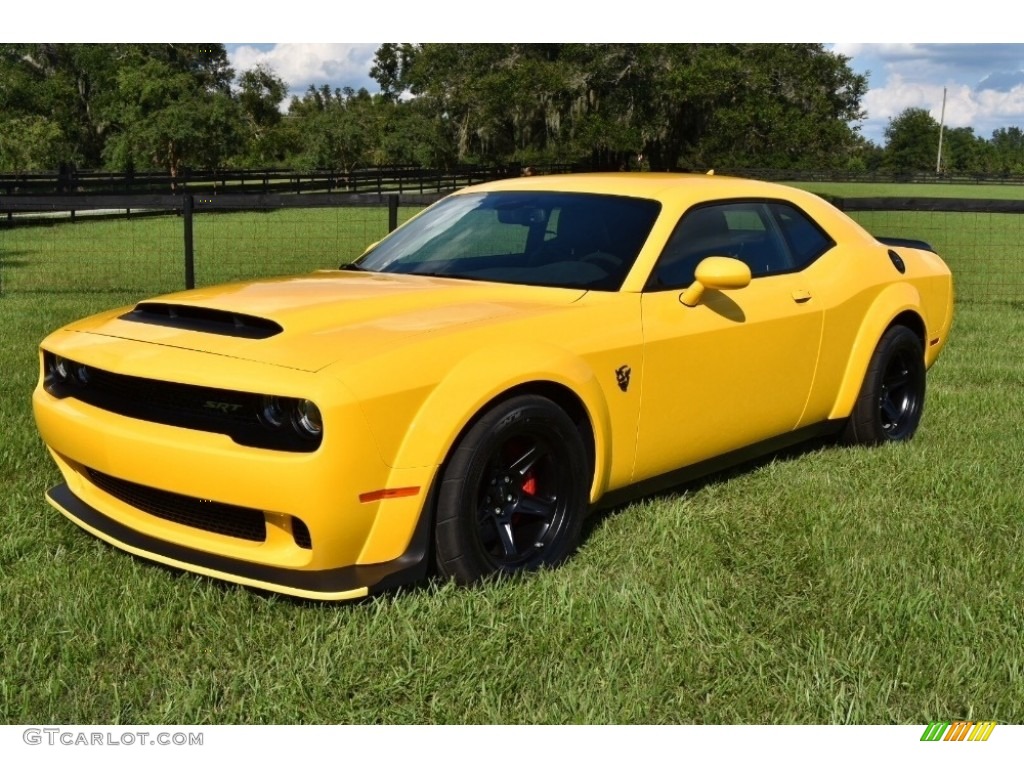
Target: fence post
190 262
392 213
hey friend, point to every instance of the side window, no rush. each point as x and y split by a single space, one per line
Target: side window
769 237
805 240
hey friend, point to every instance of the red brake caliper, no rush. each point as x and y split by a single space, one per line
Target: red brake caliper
530 484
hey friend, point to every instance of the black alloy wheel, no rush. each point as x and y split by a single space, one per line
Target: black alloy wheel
513 494
891 399
899 399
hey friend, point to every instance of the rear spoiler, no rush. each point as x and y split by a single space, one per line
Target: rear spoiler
902 242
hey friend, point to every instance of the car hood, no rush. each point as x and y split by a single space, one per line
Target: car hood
312 321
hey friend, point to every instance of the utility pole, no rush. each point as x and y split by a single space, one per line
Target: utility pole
942 125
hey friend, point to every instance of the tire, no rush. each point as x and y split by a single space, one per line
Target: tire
513 494
891 399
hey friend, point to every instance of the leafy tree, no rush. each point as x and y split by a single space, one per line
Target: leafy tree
616 103
336 128
175 109
391 62
912 141
144 105
54 100
1007 154
963 152
32 143
260 94
493 103
864 155
780 106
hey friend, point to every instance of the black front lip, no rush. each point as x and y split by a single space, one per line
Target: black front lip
411 566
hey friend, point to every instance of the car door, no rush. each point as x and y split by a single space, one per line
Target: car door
737 368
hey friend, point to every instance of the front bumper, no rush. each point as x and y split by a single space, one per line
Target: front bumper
345 583
296 523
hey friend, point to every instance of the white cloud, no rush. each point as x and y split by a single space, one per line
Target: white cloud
984 82
898 94
1002 104
304 64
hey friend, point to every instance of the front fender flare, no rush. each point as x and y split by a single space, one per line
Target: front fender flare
480 379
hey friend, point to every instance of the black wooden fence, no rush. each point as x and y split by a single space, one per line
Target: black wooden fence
397 178
380 180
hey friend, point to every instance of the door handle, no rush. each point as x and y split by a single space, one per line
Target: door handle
801 296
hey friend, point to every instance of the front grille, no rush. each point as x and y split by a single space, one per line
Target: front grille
221 409
209 409
212 516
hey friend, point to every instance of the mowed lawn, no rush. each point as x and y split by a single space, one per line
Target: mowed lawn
828 585
884 189
142 254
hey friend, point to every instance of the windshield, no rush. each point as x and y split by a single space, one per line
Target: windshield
532 238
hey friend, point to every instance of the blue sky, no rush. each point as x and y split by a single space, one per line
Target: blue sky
984 81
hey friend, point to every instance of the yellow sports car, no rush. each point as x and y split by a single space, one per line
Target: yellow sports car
462 395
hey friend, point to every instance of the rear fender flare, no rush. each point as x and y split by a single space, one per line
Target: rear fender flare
888 305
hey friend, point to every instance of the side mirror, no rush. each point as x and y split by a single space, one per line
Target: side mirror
720 273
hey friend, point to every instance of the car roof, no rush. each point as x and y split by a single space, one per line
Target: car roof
641 184
682 190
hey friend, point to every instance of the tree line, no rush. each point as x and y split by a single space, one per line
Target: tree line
657 106
912 144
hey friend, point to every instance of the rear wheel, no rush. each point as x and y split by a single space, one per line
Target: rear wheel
892 396
513 495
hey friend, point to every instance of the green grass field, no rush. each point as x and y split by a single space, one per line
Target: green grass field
869 189
830 585
145 254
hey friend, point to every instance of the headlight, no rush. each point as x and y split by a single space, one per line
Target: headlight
61 372
81 374
301 415
272 412
307 419
61 369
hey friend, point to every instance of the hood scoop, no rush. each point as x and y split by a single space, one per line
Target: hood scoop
203 319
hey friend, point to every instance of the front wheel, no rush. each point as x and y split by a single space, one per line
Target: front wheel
891 398
513 495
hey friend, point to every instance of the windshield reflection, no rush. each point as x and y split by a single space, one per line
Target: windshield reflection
532 238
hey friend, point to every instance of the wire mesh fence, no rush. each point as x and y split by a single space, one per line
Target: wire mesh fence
982 249
42 249
144 252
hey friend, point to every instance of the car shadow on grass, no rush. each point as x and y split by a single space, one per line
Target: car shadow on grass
600 516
